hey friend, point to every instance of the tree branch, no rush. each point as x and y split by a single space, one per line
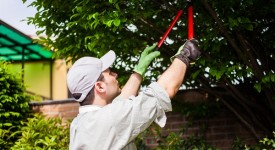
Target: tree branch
223 30
255 66
257 69
251 128
220 96
239 97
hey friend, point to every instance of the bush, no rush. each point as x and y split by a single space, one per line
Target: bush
172 140
268 143
40 133
5 138
175 141
14 105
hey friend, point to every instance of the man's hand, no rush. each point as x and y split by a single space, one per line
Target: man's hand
188 52
145 59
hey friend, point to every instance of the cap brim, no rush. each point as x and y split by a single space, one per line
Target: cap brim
108 59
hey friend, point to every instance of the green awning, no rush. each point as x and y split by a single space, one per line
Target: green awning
16 46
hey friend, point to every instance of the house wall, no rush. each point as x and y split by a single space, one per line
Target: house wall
37 78
60 90
222 129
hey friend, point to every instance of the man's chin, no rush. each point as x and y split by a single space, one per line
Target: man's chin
119 91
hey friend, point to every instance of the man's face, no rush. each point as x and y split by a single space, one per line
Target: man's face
112 86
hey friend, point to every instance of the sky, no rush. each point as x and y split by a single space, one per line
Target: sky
13 12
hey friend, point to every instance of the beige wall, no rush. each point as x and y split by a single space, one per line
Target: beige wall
37 78
60 90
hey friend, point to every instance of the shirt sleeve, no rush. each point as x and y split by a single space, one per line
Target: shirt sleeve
163 102
134 115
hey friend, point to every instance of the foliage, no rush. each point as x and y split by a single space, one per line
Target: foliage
139 142
264 144
174 141
14 106
7 138
177 140
200 110
238 144
237 63
268 142
40 133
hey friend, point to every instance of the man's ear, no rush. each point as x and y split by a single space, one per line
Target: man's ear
100 87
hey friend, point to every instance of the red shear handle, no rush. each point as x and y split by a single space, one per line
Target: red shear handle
169 28
190 23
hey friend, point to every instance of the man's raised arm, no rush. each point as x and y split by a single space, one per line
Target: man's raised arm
172 78
132 85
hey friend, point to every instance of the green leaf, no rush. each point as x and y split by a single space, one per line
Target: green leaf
249 27
219 75
273 77
7 124
232 22
117 22
79 9
195 74
109 23
258 87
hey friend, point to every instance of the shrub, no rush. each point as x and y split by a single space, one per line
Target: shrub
5 138
268 143
175 141
172 140
14 106
40 133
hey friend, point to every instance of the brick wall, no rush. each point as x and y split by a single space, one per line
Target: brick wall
65 109
222 129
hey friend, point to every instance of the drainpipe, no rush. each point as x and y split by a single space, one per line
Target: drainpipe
23 63
51 79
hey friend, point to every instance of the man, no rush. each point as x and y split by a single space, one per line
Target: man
109 117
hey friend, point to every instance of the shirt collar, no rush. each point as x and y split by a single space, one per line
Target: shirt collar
87 108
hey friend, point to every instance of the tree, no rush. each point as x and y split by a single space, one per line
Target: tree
236 39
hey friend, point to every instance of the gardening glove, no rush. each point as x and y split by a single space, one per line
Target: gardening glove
145 59
188 53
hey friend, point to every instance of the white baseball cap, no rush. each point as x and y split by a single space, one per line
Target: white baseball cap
85 72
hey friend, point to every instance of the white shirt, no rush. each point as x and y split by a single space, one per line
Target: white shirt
114 126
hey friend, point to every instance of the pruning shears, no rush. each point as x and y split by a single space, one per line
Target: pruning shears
189 7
